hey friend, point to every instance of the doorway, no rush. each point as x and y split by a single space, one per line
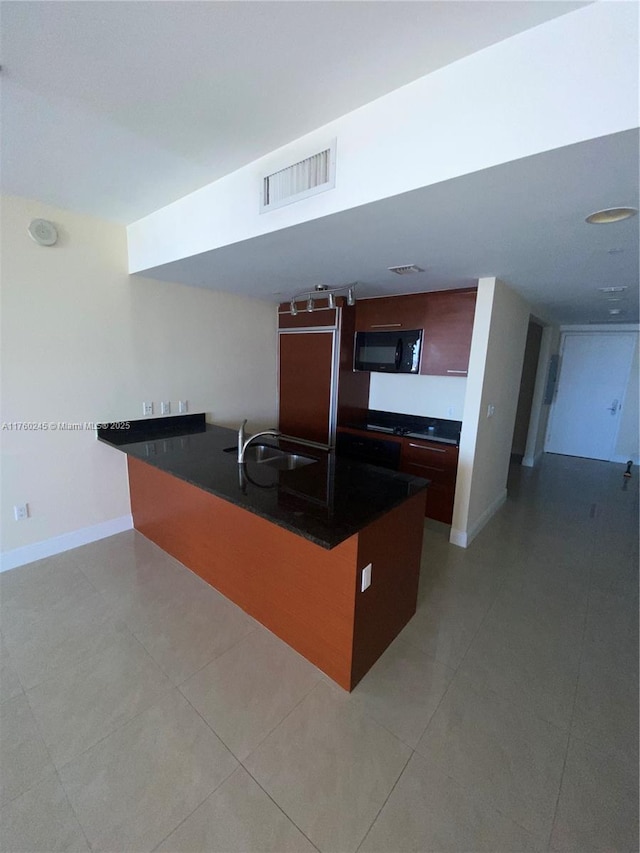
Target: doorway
525 396
592 382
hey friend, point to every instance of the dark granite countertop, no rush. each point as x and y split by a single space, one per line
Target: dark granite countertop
326 502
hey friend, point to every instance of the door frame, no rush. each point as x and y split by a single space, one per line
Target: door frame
583 331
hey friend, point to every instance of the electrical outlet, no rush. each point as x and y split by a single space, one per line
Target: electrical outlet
366 577
147 408
490 410
165 408
21 511
183 406
450 412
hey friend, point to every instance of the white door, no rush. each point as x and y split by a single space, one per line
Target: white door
585 415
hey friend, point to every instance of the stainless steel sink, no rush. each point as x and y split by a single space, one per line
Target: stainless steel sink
266 454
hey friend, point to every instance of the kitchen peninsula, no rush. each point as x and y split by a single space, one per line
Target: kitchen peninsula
288 546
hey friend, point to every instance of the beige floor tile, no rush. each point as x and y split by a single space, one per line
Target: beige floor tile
329 768
185 632
133 788
451 612
246 692
611 635
606 708
39 586
598 806
428 812
41 821
84 703
122 563
402 690
60 637
237 818
10 685
533 667
24 759
509 758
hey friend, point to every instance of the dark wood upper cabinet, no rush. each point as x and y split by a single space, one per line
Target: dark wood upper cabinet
391 312
446 342
446 316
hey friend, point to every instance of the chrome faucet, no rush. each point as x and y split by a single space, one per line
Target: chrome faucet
243 442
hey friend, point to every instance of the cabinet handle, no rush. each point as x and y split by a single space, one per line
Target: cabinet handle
464 372
422 447
386 325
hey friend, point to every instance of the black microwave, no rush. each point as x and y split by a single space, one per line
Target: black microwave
388 352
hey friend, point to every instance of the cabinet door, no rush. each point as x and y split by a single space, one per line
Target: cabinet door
305 384
447 333
391 312
439 464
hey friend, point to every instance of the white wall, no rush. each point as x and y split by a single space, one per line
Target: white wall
579 73
84 341
495 368
429 396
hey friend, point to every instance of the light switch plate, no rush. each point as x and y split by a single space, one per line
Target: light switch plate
366 577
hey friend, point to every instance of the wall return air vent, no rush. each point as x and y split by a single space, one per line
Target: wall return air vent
315 174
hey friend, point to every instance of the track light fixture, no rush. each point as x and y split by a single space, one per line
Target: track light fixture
322 291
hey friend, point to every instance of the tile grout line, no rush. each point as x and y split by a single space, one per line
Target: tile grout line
56 773
279 807
575 692
241 762
386 799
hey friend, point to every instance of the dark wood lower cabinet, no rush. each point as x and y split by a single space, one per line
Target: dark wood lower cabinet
431 460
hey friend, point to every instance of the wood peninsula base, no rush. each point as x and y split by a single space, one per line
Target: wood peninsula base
307 595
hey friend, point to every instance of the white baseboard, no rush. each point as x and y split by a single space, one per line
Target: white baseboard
624 459
58 544
464 538
531 461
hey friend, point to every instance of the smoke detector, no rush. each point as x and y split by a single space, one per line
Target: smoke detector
405 269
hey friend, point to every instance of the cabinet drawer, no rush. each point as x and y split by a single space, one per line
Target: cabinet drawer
438 457
436 475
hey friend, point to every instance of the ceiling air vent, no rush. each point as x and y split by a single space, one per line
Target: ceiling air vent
405 270
315 174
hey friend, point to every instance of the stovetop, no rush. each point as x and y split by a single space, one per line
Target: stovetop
411 426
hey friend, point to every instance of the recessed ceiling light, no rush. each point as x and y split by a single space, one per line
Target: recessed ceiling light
615 310
611 214
615 251
617 289
405 269
614 298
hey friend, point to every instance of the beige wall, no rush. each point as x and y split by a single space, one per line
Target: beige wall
84 341
495 368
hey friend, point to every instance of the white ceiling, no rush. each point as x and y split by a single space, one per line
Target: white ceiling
118 108
522 222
